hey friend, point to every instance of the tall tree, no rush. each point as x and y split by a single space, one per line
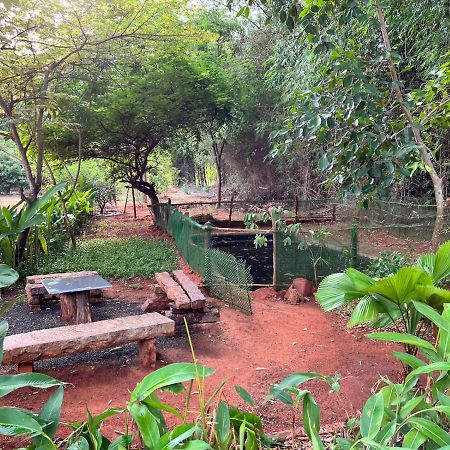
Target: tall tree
372 117
41 43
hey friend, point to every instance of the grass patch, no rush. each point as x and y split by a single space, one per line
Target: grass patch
114 258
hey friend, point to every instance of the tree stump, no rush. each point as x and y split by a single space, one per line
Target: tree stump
147 353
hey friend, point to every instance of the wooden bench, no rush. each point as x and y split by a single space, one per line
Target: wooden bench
36 291
181 290
23 349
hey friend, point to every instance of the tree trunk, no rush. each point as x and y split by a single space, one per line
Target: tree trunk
424 151
219 186
148 189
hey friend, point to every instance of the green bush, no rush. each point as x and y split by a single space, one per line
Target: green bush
387 264
114 258
11 174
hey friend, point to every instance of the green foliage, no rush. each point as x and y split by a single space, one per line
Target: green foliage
391 300
18 421
114 258
398 415
387 264
11 174
28 231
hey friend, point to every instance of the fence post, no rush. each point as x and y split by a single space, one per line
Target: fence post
231 210
296 208
207 276
207 227
275 280
334 212
354 245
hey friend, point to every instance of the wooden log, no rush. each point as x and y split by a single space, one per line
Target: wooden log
147 353
84 313
173 290
67 340
69 308
195 295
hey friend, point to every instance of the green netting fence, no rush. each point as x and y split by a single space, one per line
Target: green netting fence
225 276
312 258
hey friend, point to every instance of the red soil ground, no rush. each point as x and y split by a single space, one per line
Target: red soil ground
252 351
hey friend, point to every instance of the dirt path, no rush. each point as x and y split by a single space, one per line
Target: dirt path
252 351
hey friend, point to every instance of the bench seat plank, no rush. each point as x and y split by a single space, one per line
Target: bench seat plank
63 341
191 289
173 290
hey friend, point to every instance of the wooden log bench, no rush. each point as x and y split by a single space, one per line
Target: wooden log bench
181 290
36 291
23 349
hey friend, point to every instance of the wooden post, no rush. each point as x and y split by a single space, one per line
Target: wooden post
126 201
275 280
334 213
84 312
231 210
296 208
147 353
354 245
207 227
134 203
69 308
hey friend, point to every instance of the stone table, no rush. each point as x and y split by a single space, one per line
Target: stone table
74 295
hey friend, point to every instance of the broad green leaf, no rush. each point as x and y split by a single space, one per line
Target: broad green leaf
3 332
364 312
121 443
341 288
146 423
372 416
245 395
433 296
222 427
80 444
414 439
311 421
9 383
429 368
50 414
195 445
411 405
433 315
444 399
401 287
430 430
386 432
408 359
438 264
15 422
443 346
401 338
169 375
175 437
8 276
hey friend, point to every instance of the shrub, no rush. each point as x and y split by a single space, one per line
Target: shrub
115 258
387 264
11 175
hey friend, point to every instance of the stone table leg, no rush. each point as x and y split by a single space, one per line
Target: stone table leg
84 312
147 353
69 308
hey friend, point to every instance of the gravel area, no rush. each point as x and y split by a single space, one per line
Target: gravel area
22 320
